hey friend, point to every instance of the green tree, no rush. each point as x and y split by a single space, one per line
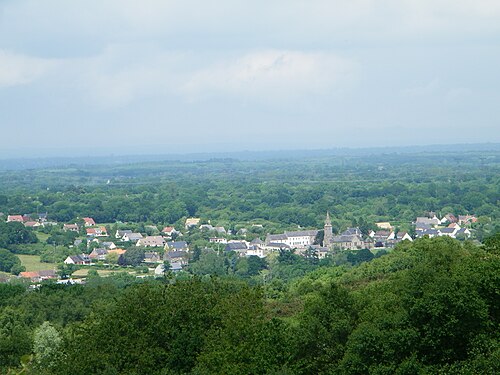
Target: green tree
47 344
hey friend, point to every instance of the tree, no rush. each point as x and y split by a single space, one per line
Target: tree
47 344
9 262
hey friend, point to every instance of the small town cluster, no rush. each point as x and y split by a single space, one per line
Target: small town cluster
168 248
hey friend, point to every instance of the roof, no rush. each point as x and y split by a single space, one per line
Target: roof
177 245
117 251
447 230
168 230
192 221
276 237
122 232
257 241
232 246
352 231
175 254
15 218
302 233
89 221
133 236
346 238
278 245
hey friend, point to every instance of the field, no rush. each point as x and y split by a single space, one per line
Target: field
32 263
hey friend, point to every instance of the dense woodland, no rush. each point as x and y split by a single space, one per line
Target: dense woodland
431 306
278 193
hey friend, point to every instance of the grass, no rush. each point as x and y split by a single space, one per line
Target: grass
84 271
32 263
42 237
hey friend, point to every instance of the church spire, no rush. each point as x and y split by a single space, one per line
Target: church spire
328 233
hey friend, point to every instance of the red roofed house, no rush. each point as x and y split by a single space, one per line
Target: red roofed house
18 218
97 232
89 222
169 231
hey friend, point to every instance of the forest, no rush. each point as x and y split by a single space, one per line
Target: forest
425 307
277 193
431 306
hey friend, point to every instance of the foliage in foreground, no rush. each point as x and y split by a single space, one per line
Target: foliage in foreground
428 307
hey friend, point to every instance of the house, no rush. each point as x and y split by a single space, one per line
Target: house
39 276
78 259
160 269
119 252
321 251
217 240
466 219
192 222
177 245
450 232
89 222
402 236
220 230
463 232
294 239
301 239
236 246
131 237
383 238
255 250
276 238
32 224
448 218
151 257
276 246
97 232
71 227
15 218
169 231
257 242
98 254
428 232
384 225
151 241
207 227
120 233
108 245
176 257
429 221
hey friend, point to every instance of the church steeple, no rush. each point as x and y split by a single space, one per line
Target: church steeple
328 233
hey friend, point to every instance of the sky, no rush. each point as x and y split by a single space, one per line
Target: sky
156 76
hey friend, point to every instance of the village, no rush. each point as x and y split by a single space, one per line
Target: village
167 249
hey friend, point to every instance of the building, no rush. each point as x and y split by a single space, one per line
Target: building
294 239
328 232
151 241
89 222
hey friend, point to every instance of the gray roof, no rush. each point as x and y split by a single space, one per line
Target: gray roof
276 237
351 232
178 245
278 245
234 246
175 254
302 233
447 230
346 238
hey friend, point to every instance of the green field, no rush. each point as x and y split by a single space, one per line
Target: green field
42 237
84 271
32 263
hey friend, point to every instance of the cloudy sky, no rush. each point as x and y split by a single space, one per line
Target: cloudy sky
160 76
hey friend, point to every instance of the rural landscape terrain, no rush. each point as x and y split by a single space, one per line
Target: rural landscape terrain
348 262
